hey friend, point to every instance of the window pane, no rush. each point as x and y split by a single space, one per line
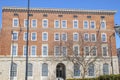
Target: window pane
15 23
56 24
75 37
64 36
13 72
57 50
15 36
14 50
85 25
76 50
86 49
92 25
44 69
34 23
64 24
45 23
91 70
25 36
24 51
33 50
103 25
64 51
45 37
34 37
25 23
105 69
93 37
76 70
45 50
75 24
30 68
103 38
57 37
104 51
86 37
94 51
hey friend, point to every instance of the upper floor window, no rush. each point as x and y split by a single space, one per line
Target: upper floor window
44 36
64 37
25 22
44 50
76 69
15 22
86 25
44 69
24 50
75 36
64 50
56 24
91 70
104 37
56 36
30 70
76 50
93 37
104 51
15 36
57 51
103 25
33 36
105 69
34 23
86 37
14 49
45 23
25 36
64 24
75 23
13 71
92 24
94 50
33 50
86 51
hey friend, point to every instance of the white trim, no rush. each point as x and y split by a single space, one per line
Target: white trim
17 35
32 23
85 52
23 50
42 50
24 23
55 36
58 22
14 44
17 20
94 24
77 37
88 37
62 36
35 35
43 23
62 24
101 26
43 35
91 37
74 23
105 37
35 51
84 24
92 49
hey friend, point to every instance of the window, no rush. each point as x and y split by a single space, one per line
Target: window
104 37
57 51
15 36
25 22
13 70
76 69
86 51
44 69
76 50
105 69
34 23
56 24
44 50
25 36
24 50
94 51
64 24
33 50
86 25
75 36
15 22
93 37
92 25
30 70
44 36
91 70
45 23
56 36
33 36
64 50
14 50
103 25
64 37
104 51
75 23
86 37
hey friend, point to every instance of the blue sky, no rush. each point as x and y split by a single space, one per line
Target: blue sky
77 4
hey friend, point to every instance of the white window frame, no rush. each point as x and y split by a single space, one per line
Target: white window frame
85 51
88 37
63 52
17 20
43 36
62 36
32 23
42 50
55 23
24 23
108 68
91 37
45 69
55 53
74 24
55 36
16 49
94 24
32 35
78 49
35 50
77 37
84 24
102 37
101 24
62 24
92 49
13 34
107 51
43 23
24 36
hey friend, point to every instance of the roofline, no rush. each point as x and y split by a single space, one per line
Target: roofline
60 10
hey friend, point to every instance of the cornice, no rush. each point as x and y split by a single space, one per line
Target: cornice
58 10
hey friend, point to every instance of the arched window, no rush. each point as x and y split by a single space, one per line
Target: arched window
76 69
30 69
13 71
44 69
91 70
105 69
